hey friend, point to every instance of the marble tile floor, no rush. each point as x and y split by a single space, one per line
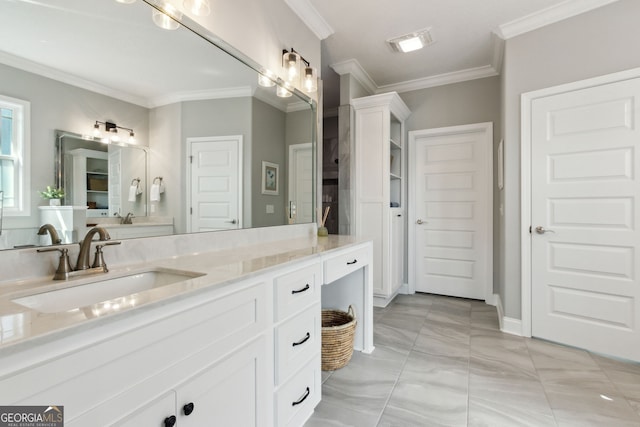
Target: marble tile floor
442 361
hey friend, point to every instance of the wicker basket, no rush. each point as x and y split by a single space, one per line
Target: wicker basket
338 330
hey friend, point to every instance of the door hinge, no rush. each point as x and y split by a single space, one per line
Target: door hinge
530 229
191 159
190 211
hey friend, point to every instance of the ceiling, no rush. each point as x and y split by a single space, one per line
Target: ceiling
469 37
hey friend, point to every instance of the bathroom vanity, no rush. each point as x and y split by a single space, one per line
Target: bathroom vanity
235 339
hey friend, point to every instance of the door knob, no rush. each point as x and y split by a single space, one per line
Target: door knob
233 221
420 222
541 230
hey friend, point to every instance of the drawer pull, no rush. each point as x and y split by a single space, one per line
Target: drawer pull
352 262
188 408
306 288
302 399
170 421
303 340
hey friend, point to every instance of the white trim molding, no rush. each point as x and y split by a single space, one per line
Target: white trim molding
311 18
548 16
508 325
440 80
526 102
353 67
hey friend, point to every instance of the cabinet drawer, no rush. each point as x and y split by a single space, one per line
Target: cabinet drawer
296 400
296 290
297 341
341 265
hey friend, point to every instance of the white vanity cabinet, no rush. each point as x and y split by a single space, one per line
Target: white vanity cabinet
297 344
238 346
198 350
223 394
379 190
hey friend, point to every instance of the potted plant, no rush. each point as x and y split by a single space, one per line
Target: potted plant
53 195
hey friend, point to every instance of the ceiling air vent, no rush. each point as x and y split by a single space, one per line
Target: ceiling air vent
412 41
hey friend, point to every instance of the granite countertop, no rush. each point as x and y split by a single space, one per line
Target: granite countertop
216 269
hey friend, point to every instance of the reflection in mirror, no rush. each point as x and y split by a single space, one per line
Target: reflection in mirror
206 124
109 179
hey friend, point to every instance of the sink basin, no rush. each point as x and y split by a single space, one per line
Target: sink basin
96 291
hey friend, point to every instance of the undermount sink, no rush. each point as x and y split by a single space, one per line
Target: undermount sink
101 290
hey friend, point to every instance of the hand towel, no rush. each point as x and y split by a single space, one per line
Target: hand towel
154 193
133 192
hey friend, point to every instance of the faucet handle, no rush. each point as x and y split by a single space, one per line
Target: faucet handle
98 261
64 266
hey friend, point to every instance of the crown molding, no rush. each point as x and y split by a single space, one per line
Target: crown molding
497 52
550 15
172 98
440 80
353 67
70 79
311 18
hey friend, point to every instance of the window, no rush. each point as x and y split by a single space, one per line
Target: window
14 156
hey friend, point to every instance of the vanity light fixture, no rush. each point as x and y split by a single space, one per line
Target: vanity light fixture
112 131
412 41
292 63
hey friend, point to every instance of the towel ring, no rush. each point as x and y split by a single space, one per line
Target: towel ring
136 180
157 178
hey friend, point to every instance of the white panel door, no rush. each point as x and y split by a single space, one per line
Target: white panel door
450 225
585 216
301 183
215 183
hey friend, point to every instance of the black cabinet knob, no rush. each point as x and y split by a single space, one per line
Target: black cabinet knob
188 408
170 421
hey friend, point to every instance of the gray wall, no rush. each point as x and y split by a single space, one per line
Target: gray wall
56 105
474 101
599 42
269 129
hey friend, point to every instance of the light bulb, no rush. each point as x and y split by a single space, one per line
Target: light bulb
291 63
167 19
126 1
114 135
284 91
96 130
197 7
132 138
310 82
266 79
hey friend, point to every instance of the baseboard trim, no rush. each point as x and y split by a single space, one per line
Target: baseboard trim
508 325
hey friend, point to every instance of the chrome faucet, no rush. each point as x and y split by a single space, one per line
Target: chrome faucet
83 262
55 239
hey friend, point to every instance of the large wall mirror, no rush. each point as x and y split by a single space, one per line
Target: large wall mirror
215 149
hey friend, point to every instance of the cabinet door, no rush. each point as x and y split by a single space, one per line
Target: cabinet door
153 414
233 392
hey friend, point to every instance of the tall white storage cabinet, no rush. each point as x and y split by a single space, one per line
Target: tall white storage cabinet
379 187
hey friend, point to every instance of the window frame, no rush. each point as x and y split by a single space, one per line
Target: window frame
21 143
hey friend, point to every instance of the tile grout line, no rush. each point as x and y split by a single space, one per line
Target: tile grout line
401 370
